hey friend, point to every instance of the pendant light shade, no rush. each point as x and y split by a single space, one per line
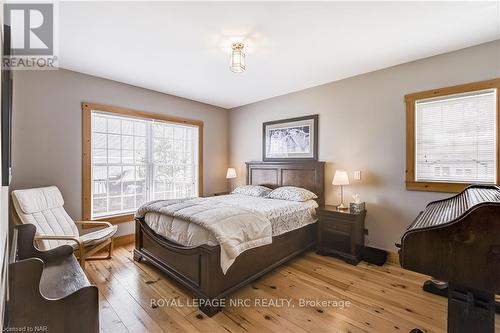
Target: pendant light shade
237 58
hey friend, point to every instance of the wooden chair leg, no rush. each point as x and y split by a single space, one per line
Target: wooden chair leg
82 257
107 246
111 246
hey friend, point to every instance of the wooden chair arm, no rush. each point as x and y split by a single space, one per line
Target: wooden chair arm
47 237
81 248
71 238
94 223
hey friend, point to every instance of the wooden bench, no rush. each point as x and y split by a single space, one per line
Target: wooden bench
48 290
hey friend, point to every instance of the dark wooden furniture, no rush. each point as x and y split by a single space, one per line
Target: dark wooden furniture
198 268
341 233
48 290
308 175
220 193
458 240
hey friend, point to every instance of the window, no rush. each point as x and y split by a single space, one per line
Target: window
131 157
452 137
456 138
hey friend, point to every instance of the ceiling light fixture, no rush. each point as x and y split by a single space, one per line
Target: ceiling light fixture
237 58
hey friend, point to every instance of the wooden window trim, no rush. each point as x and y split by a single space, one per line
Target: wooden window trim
411 183
87 145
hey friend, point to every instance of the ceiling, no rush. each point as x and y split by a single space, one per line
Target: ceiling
183 48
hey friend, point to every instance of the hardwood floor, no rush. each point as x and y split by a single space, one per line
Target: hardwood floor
383 299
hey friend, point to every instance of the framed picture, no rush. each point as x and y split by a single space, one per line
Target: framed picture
290 139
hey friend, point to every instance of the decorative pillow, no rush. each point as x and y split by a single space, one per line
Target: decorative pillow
252 190
291 193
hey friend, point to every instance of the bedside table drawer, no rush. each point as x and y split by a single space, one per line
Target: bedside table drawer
336 226
340 233
335 239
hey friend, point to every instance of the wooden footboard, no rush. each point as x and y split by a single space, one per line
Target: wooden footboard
198 268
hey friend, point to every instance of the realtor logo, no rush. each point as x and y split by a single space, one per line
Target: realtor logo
32 36
31 27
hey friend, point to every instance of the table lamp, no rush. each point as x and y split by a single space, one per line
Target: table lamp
341 179
230 174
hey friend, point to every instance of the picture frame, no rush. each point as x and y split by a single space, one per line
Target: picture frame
292 139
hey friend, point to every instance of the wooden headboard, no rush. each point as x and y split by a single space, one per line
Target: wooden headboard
309 175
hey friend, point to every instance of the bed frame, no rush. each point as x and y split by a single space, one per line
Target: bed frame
198 268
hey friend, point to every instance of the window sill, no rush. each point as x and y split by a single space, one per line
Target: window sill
435 187
114 219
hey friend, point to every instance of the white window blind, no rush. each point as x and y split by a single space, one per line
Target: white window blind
456 138
135 160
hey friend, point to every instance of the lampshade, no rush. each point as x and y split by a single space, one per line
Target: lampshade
340 178
231 173
237 58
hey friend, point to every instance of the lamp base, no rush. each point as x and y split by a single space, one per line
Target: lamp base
342 207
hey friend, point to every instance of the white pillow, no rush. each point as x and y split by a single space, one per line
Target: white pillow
292 193
252 190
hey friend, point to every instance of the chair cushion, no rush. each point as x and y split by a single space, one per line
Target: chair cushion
95 237
43 207
35 200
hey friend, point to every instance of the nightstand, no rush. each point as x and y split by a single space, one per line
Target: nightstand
220 193
341 233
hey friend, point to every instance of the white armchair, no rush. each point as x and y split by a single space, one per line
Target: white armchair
43 207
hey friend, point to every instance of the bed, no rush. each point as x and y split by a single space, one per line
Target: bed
198 266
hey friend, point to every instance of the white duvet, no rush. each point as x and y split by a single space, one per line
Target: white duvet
236 222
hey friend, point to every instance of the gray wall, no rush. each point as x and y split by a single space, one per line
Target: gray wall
47 129
362 127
